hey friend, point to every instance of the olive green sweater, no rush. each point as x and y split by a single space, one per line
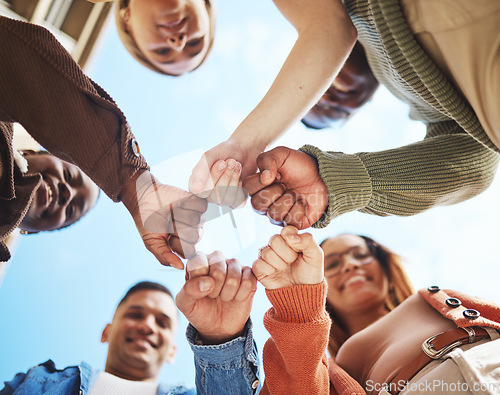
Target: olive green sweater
455 161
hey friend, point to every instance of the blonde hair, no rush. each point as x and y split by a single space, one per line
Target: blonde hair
400 288
130 45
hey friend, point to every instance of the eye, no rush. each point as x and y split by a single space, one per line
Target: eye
361 254
332 264
162 51
67 175
70 211
163 323
194 43
135 315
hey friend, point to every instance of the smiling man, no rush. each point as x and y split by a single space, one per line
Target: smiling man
216 299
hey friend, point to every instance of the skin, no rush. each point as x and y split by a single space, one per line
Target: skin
172 34
358 292
64 196
141 336
353 87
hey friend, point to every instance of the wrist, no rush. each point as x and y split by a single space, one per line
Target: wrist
134 188
216 339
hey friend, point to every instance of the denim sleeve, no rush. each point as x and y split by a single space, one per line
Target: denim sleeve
228 368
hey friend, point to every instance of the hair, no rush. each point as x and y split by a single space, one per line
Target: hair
145 285
400 289
130 45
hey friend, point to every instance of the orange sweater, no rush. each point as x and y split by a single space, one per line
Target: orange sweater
294 357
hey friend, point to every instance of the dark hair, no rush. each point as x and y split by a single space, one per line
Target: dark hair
146 285
400 289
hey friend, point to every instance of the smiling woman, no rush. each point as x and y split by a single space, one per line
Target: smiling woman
64 195
170 37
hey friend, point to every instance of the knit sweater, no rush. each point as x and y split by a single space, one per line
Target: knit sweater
294 357
71 116
455 161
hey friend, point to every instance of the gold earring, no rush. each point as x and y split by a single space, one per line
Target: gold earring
24 232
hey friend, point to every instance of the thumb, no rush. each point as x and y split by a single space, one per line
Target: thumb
193 290
269 164
200 182
304 243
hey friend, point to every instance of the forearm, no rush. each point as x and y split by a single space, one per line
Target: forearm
68 114
326 37
441 170
228 368
294 358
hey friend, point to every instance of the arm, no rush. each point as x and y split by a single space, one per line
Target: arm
294 359
447 167
216 300
45 90
72 117
326 36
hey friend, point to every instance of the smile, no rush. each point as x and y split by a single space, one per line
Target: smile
358 278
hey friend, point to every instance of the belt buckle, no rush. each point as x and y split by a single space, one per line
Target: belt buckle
428 347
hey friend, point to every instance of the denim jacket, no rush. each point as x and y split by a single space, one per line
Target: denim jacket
229 368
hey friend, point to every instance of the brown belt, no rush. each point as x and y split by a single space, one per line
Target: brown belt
434 348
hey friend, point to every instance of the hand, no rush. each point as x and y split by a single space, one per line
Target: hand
167 218
289 259
221 167
217 297
288 188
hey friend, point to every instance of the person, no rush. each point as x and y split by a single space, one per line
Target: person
45 91
326 36
352 88
59 195
437 68
353 296
141 339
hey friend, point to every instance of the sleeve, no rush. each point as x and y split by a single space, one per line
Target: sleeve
228 368
294 358
447 167
67 113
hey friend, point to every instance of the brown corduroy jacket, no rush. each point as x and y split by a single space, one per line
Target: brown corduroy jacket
44 89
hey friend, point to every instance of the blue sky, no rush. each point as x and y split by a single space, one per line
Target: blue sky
61 288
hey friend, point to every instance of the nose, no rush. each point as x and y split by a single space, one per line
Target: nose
66 193
349 263
147 325
177 41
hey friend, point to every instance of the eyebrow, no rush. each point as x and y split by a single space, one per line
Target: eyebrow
138 307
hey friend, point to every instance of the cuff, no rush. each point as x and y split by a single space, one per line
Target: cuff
299 303
347 180
225 353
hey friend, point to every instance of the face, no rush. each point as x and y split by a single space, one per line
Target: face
174 35
351 89
63 197
142 336
361 284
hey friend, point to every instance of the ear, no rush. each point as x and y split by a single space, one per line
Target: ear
170 358
105 333
125 15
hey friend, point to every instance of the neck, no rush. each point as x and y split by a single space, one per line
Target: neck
359 320
131 375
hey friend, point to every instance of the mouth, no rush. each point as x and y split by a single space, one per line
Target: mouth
51 196
354 280
174 26
142 342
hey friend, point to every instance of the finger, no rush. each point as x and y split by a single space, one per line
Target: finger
222 181
193 290
262 200
261 269
297 216
269 164
194 203
272 258
162 251
181 247
201 181
235 195
252 184
232 282
280 209
248 285
218 268
197 266
304 243
282 249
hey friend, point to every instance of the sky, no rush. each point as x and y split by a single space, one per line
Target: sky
61 288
